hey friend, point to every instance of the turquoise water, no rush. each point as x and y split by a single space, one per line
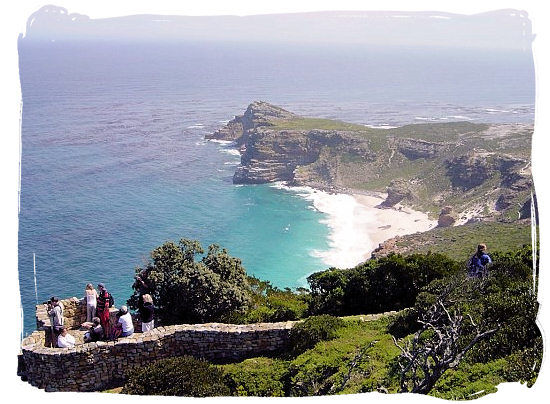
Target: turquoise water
114 161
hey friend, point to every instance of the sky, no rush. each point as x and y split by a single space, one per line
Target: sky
14 23
502 29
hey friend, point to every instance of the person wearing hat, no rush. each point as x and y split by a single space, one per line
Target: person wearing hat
104 302
479 261
125 322
55 311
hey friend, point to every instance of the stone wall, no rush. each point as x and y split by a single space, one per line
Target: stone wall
95 366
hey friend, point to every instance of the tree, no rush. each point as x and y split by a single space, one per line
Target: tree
445 336
185 290
475 320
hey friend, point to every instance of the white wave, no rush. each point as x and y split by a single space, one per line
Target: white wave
233 152
349 224
381 126
231 163
222 142
494 111
461 117
196 126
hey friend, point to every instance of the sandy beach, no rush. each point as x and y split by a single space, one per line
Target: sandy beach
358 226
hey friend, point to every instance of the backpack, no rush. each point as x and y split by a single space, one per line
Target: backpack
111 300
477 265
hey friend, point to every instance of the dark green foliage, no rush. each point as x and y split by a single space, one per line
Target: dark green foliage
306 334
182 376
271 304
405 323
384 284
188 291
524 365
259 377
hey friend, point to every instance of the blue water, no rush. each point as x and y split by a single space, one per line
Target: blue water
114 161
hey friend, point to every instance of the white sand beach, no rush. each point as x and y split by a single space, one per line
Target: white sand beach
358 226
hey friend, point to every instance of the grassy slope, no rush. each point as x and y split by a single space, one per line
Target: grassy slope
457 242
432 187
334 367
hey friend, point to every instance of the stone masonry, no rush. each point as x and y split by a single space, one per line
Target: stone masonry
95 366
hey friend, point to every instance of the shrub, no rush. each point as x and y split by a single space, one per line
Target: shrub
257 377
524 366
305 335
384 284
181 376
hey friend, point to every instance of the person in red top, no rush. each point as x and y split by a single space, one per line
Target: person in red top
104 302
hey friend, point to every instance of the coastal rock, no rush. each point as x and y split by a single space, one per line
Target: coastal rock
397 191
447 217
421 165
258 114
416 148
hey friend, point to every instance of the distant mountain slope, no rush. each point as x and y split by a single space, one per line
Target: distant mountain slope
459 170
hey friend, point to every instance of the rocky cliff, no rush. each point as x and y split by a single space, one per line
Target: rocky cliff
481 171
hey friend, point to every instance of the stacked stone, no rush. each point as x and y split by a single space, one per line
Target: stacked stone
93 366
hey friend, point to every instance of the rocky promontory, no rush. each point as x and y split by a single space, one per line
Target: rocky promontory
480 171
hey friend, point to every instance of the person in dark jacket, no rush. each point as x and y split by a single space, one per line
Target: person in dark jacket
479 261
104 302
147 312
95 332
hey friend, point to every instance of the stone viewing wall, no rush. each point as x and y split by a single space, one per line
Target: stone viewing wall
94 366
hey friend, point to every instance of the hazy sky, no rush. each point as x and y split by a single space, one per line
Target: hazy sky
502 29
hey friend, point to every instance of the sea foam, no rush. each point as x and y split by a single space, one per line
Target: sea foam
348 222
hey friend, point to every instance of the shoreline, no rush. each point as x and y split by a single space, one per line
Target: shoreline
357 226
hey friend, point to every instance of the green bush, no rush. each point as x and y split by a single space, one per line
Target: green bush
305 335
257 377
524 366
181 376
384 284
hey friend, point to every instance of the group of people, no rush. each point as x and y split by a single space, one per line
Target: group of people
98 302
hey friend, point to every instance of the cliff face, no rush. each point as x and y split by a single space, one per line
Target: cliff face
427 166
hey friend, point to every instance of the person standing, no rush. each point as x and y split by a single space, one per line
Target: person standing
91 302
477 266
104 302
147 312
55 312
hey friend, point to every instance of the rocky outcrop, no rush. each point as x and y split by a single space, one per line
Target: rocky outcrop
258 114
416 148
447 217
397 191
423 165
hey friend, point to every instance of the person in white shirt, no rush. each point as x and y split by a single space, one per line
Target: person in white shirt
65 340
125 320
91 302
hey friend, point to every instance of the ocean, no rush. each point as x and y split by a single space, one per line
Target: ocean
114 161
